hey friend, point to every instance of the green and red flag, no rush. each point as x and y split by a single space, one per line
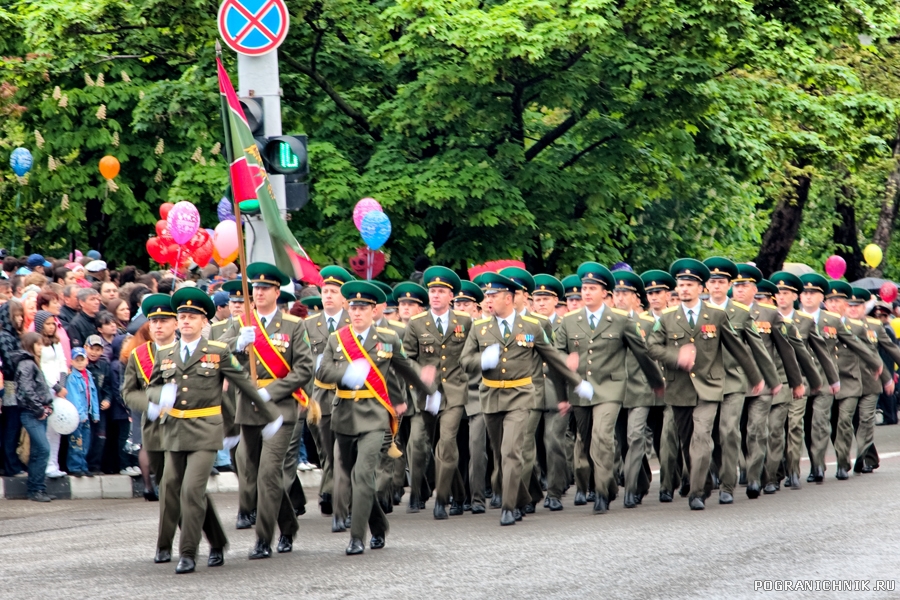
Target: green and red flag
249 181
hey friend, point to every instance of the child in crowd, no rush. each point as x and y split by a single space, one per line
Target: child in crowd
35 401
83 394
53 365
99 367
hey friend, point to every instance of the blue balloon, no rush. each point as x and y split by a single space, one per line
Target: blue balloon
375 229
224 210
20 160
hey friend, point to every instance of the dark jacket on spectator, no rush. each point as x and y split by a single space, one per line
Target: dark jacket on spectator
66 314
80 328
10 346
32 393
102 373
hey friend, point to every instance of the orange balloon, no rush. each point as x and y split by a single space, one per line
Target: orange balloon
109 167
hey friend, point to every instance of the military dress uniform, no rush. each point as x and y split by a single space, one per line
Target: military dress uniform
359 420
192 431
262 460
696 394
866 455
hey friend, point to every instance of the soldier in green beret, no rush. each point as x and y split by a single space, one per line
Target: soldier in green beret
572 290
411 300
313 303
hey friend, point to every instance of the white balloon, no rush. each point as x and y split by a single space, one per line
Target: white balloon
64 419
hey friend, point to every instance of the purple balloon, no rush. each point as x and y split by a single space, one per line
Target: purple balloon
224 210
362 208
183 222
375 229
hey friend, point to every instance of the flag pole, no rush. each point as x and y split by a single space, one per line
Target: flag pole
242 255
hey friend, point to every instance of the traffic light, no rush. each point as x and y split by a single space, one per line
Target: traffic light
254 113
286 155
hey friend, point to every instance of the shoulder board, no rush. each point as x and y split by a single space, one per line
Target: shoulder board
713 306
803 314
167 346
537 316
832 314
739 305
396 323
873 321
530 319
669 310
219 324
646 317
855 321
460 313
312 316
572 312
385 330
419 316
620 312
483 320
290 318
216 344
787 320
767 305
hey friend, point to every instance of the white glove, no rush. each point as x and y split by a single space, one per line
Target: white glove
230 442
433 403
153 411
246 338
264 394
490 358
356 373
272 428
319 361
167 396
585 390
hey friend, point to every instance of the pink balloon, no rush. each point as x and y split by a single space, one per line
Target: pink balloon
835 266
364 207
183 221
888 292
225 239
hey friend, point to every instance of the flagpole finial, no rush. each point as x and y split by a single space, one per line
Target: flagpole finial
218 49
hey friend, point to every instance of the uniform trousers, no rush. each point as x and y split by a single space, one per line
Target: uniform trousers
262 461
183 501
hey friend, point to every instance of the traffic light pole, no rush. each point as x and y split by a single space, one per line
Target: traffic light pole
258 78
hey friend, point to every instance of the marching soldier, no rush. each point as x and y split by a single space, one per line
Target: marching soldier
436 338
689 340
189 379
600 336
318 327
657 285
789 286
356 359
284 364
312 303
503 347
411 300
579 460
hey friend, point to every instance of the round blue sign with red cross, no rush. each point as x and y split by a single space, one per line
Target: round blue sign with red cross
253 27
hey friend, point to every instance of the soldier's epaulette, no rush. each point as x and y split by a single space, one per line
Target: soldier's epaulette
739 305
620 312
530 319
670 309
572 312
218 324
166 347
855 321
419 316
538 315
711 305
873 321
312 316
460 313
832 314
290 318
216 344
396 323
646 317
803 314
482 321
767 305
384 330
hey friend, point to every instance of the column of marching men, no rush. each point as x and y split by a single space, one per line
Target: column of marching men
721 374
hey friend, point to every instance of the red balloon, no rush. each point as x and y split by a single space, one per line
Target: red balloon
164 209
200 238
888 292
161 228
203 254
155 250
171 249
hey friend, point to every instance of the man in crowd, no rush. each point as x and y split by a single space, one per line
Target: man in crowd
84 324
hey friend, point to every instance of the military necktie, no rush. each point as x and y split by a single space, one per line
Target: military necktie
263 321
359 337
440 326
330 324
187 355
691 318
505 330
593 322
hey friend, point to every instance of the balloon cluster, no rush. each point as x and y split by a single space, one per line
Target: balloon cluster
179 238
372 223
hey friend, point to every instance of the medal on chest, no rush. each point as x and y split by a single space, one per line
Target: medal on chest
210 361
281 341
708 331
384 350
873 337
764 327
166 364
525 340
830 332
459 331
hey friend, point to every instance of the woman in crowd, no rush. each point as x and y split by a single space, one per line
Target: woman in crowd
53 366
118 308
11 319
50 301
35 403
141 337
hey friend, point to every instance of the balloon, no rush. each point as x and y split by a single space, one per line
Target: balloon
200 238
224 210
362 208
183 221
888 292
109 166
21 161
169 251
64 419
835 266
225 240
873 255
156 250
360 263
164 209
161 228
78 255
375 229
203 253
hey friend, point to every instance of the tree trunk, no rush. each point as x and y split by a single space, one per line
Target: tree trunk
783 226
846 235
889 207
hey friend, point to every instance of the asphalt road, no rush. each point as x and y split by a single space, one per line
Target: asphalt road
839 531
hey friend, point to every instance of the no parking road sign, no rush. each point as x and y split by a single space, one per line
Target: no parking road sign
253 27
